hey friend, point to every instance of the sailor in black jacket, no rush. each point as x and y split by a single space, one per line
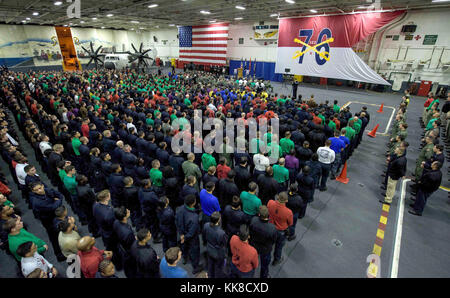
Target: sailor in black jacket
167 224
216 247
129 161
44 202
144 256
104 217
298 207
125 237
131 200
149 204
243 176
263 236
187 222
86 200
227 189
428 184
115 183
396 171
306 185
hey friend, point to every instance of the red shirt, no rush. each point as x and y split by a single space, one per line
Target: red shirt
245 257
317 120
85 130
90 261
338 124
280 215
428 102
222 171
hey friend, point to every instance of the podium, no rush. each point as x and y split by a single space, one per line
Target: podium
240 72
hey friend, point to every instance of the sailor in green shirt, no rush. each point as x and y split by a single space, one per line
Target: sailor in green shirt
70 182
286 143
250 202
331 124
321 117
268 135
5 201
357 126
76 143
18 235
336 108
430 123
350 132
281 174
255 144
149 120
187 102
432 103
208 160
156 175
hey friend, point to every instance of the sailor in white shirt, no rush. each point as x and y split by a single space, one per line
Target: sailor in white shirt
326 158
212 107
45 144
261 162
20 172
31 260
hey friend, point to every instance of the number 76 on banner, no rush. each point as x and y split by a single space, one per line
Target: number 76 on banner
321 57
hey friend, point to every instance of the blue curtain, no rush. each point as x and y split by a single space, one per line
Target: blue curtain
264 70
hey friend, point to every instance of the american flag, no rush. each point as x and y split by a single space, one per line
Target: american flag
206 44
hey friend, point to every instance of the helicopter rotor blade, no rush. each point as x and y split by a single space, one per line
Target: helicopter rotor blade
134 48
96 52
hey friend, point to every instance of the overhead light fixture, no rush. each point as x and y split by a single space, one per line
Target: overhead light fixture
290 1
437 1
135 22
94 19
157 26
141 28
152 5
172 25
24 21
28 19
313 10
132 29
81 22
109 15
274 15
58 3
239 18
103 27
240 7
204 12
212 21
35 13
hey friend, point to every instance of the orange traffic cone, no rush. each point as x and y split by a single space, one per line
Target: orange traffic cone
373 133
381 108
343 176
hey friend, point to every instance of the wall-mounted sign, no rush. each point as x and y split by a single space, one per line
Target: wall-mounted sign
388 36
430 39
409 37
265 31
241 40
396 37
